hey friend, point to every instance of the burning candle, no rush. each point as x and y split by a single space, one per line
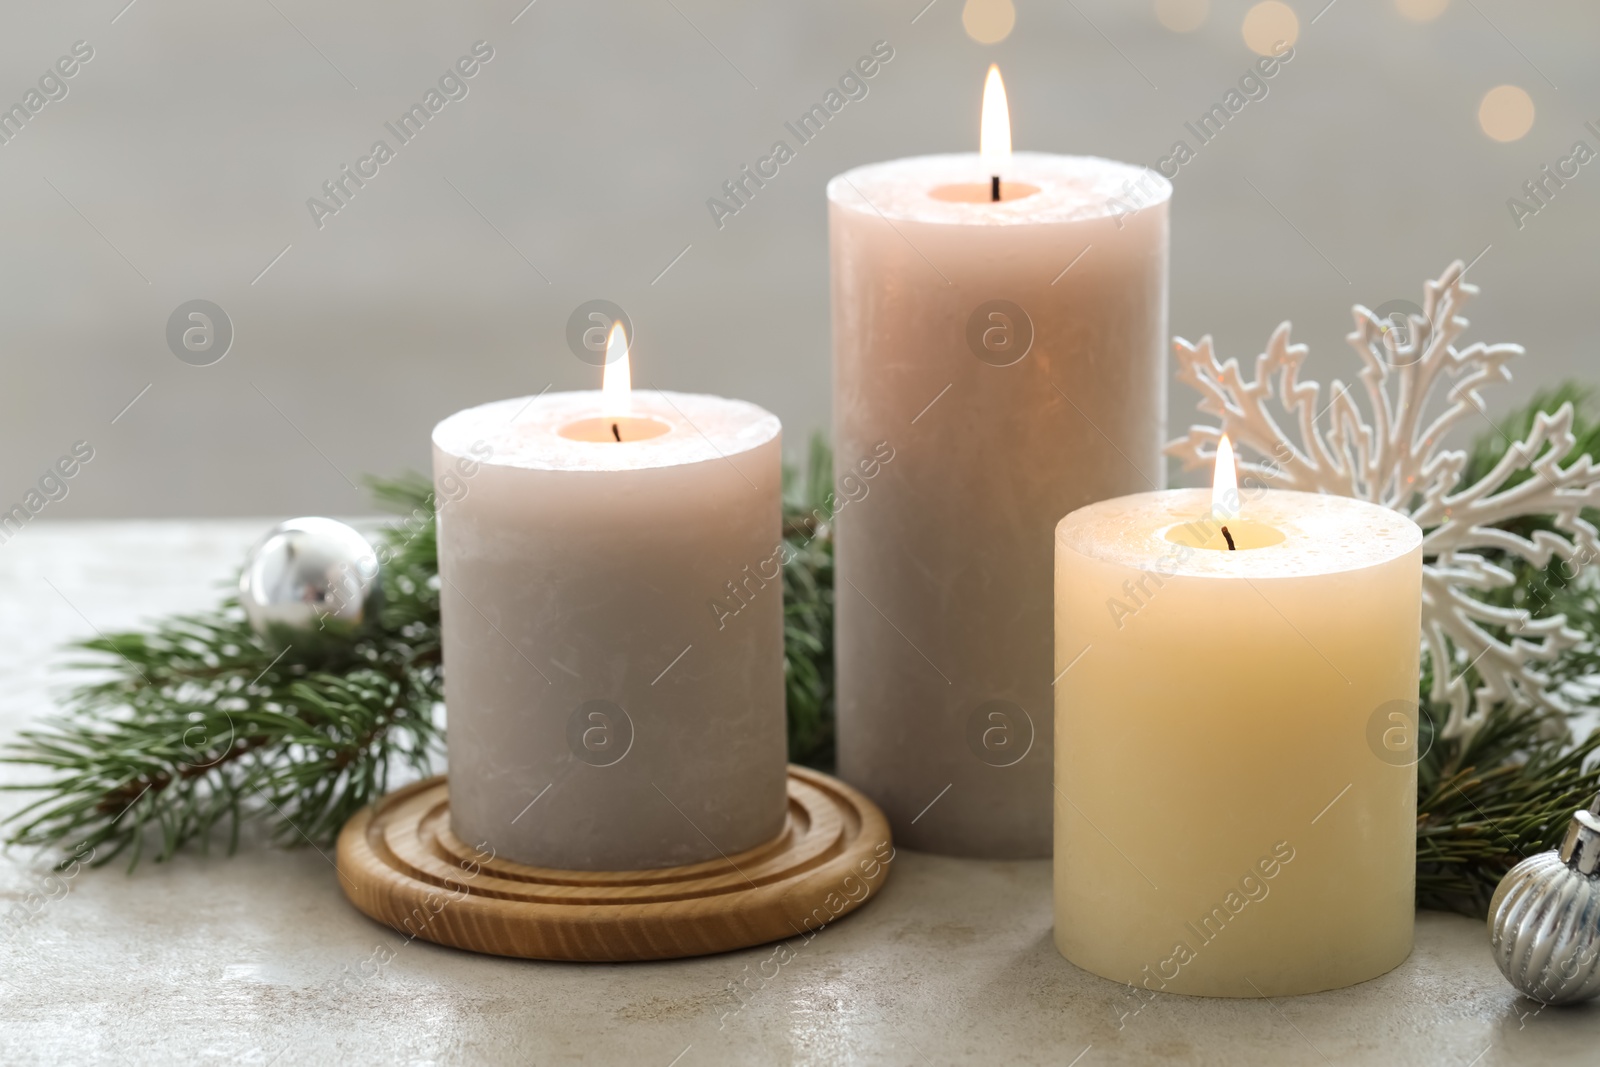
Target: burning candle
1236 739
612 618
999 319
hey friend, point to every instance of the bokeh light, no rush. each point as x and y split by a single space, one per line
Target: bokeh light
1182 16
1421 10
988 21
1506 113
1270 25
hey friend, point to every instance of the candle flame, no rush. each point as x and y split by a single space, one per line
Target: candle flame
1225 482
994 132
616 381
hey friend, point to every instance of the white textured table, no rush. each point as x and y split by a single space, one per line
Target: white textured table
256 959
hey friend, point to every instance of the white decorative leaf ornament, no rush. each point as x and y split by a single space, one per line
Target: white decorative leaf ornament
1381 441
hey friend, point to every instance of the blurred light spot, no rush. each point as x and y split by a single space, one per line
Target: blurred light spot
1182 16
988 21
1506 113
1421 10
1270 26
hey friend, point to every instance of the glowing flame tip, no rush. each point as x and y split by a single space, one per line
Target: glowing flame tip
1225 482
616 381
994 131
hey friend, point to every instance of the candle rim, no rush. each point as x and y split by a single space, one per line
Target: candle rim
1352 535
1072 188
523 433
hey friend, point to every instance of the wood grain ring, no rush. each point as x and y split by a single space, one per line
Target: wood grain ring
400 864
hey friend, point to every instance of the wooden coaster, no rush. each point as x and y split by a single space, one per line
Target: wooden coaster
400 863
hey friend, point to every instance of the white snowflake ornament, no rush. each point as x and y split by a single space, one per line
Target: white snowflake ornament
1410 366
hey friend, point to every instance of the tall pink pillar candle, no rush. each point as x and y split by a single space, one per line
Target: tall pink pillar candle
1011 355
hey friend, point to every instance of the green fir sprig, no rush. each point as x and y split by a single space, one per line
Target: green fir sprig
808 607
197 727
1487 802
1507 792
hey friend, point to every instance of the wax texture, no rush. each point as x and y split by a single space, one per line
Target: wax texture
1012 356
613 631
1235 744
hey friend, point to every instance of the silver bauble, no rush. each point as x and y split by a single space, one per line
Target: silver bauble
1544 919
309 579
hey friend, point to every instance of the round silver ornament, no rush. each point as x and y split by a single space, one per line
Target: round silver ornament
310 578
1544 919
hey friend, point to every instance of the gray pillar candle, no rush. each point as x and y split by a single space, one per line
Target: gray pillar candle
1011 353
612 703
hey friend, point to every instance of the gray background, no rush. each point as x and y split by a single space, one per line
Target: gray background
179 165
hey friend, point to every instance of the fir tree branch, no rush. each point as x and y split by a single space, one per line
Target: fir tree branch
1506 792
808 608
197 725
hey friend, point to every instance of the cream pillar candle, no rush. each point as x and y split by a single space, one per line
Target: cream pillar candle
603 714
1011 354
1235 742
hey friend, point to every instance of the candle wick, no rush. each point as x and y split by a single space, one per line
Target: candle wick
1228 537
618 435
994 188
